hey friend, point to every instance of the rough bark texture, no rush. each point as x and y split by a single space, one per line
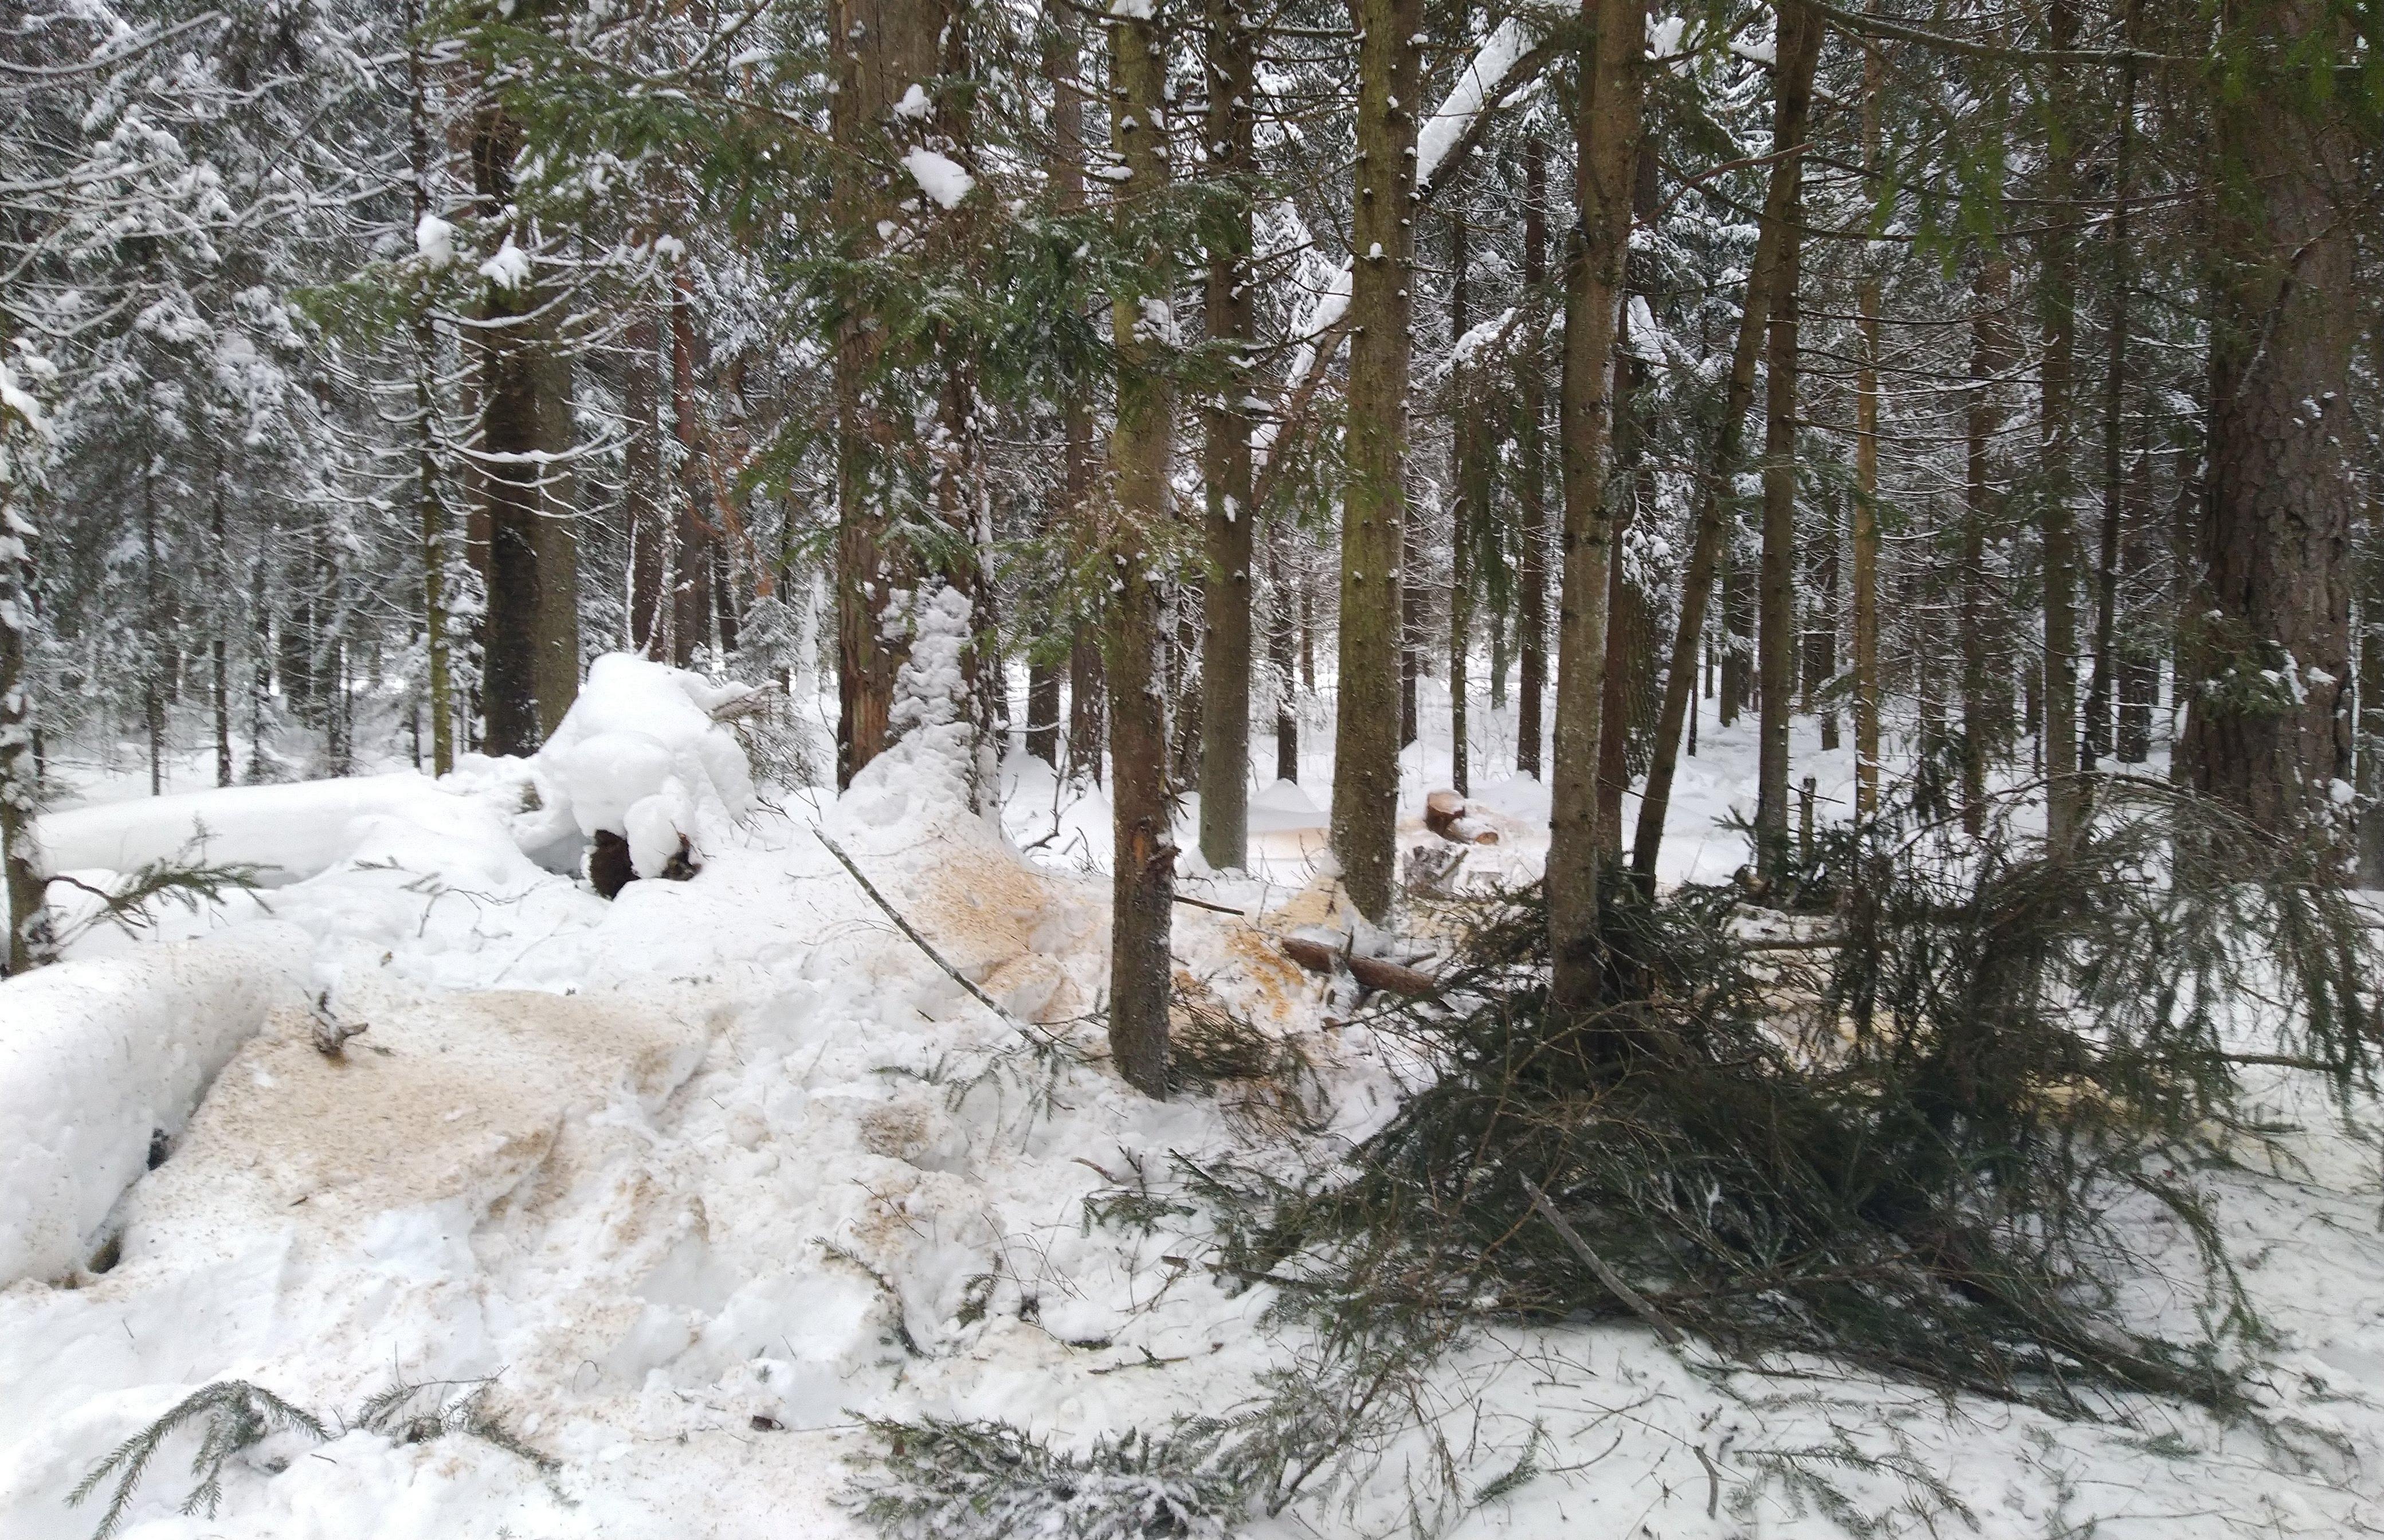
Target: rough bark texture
21 884
1866 511
1142 855
1283 642
1230 526
1992 353
1532 574
2269 729
1793 84
884 47
692 534
1607 130
1466 433
509 442
2058 301
1367 727
1777 624
557 666
641 490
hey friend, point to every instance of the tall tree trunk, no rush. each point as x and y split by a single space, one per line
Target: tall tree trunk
2057 299
1992 354
1232 522
1865 519
1086 707
1608 129
2370 742
1141 445
1628 644
1464 407
1371 722
439 682
1793 84
153 640
21 884
1777 624
1531 596
2270 731
2114 386
558 540
645 525
219 580
510 439
1283 642
691 555
886 47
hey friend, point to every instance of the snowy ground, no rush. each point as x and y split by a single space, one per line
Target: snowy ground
702 1175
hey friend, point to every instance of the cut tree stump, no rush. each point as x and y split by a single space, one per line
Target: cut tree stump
1447 814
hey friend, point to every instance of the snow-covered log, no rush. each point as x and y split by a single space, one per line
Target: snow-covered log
292 832
97 1057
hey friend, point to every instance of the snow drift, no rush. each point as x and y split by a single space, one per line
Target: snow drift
95 1057
292 832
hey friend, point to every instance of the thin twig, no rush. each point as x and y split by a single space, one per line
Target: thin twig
932 955
1212 908
1613 1281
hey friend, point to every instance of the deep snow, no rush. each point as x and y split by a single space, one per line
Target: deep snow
733 1149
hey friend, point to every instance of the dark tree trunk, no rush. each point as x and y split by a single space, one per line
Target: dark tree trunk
643 521
510 440
1531 565
2269 729
1230 522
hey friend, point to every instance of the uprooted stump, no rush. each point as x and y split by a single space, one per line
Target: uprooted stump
1371 972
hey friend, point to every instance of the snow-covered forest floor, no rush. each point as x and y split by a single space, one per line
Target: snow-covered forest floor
700 1177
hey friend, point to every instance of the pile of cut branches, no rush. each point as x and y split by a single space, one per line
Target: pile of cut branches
1929 1140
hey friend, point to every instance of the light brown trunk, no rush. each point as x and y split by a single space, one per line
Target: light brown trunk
1606 136
1143 852
1367 728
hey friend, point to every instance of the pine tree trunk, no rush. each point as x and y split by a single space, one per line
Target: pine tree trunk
1866 512
1283 642
1532 597
510 439
1085 710
2057 299
1231 523
1376 717
1464 430
2279 504
219 579
691 545
558 540
21 883
1793 84
1992 353
886 47
1606 135
2115 380
1141 446
1777 623
439 683
643 523
2370 742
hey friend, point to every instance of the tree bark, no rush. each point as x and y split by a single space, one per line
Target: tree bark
558 540
1367 728
1992 354
1464 431
691 553
2058 300
1283 641
1777 624
2269 731
1608 129
644 527
1532 574
1866 512
884 47
1794 82
509 444
21 883
1141 445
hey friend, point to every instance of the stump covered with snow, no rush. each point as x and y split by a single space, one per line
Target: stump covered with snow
645 768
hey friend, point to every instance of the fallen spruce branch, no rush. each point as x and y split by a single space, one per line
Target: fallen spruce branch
1371 972
1635 1300
934 956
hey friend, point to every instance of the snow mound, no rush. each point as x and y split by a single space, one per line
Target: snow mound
640 755
95 1057
293 832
